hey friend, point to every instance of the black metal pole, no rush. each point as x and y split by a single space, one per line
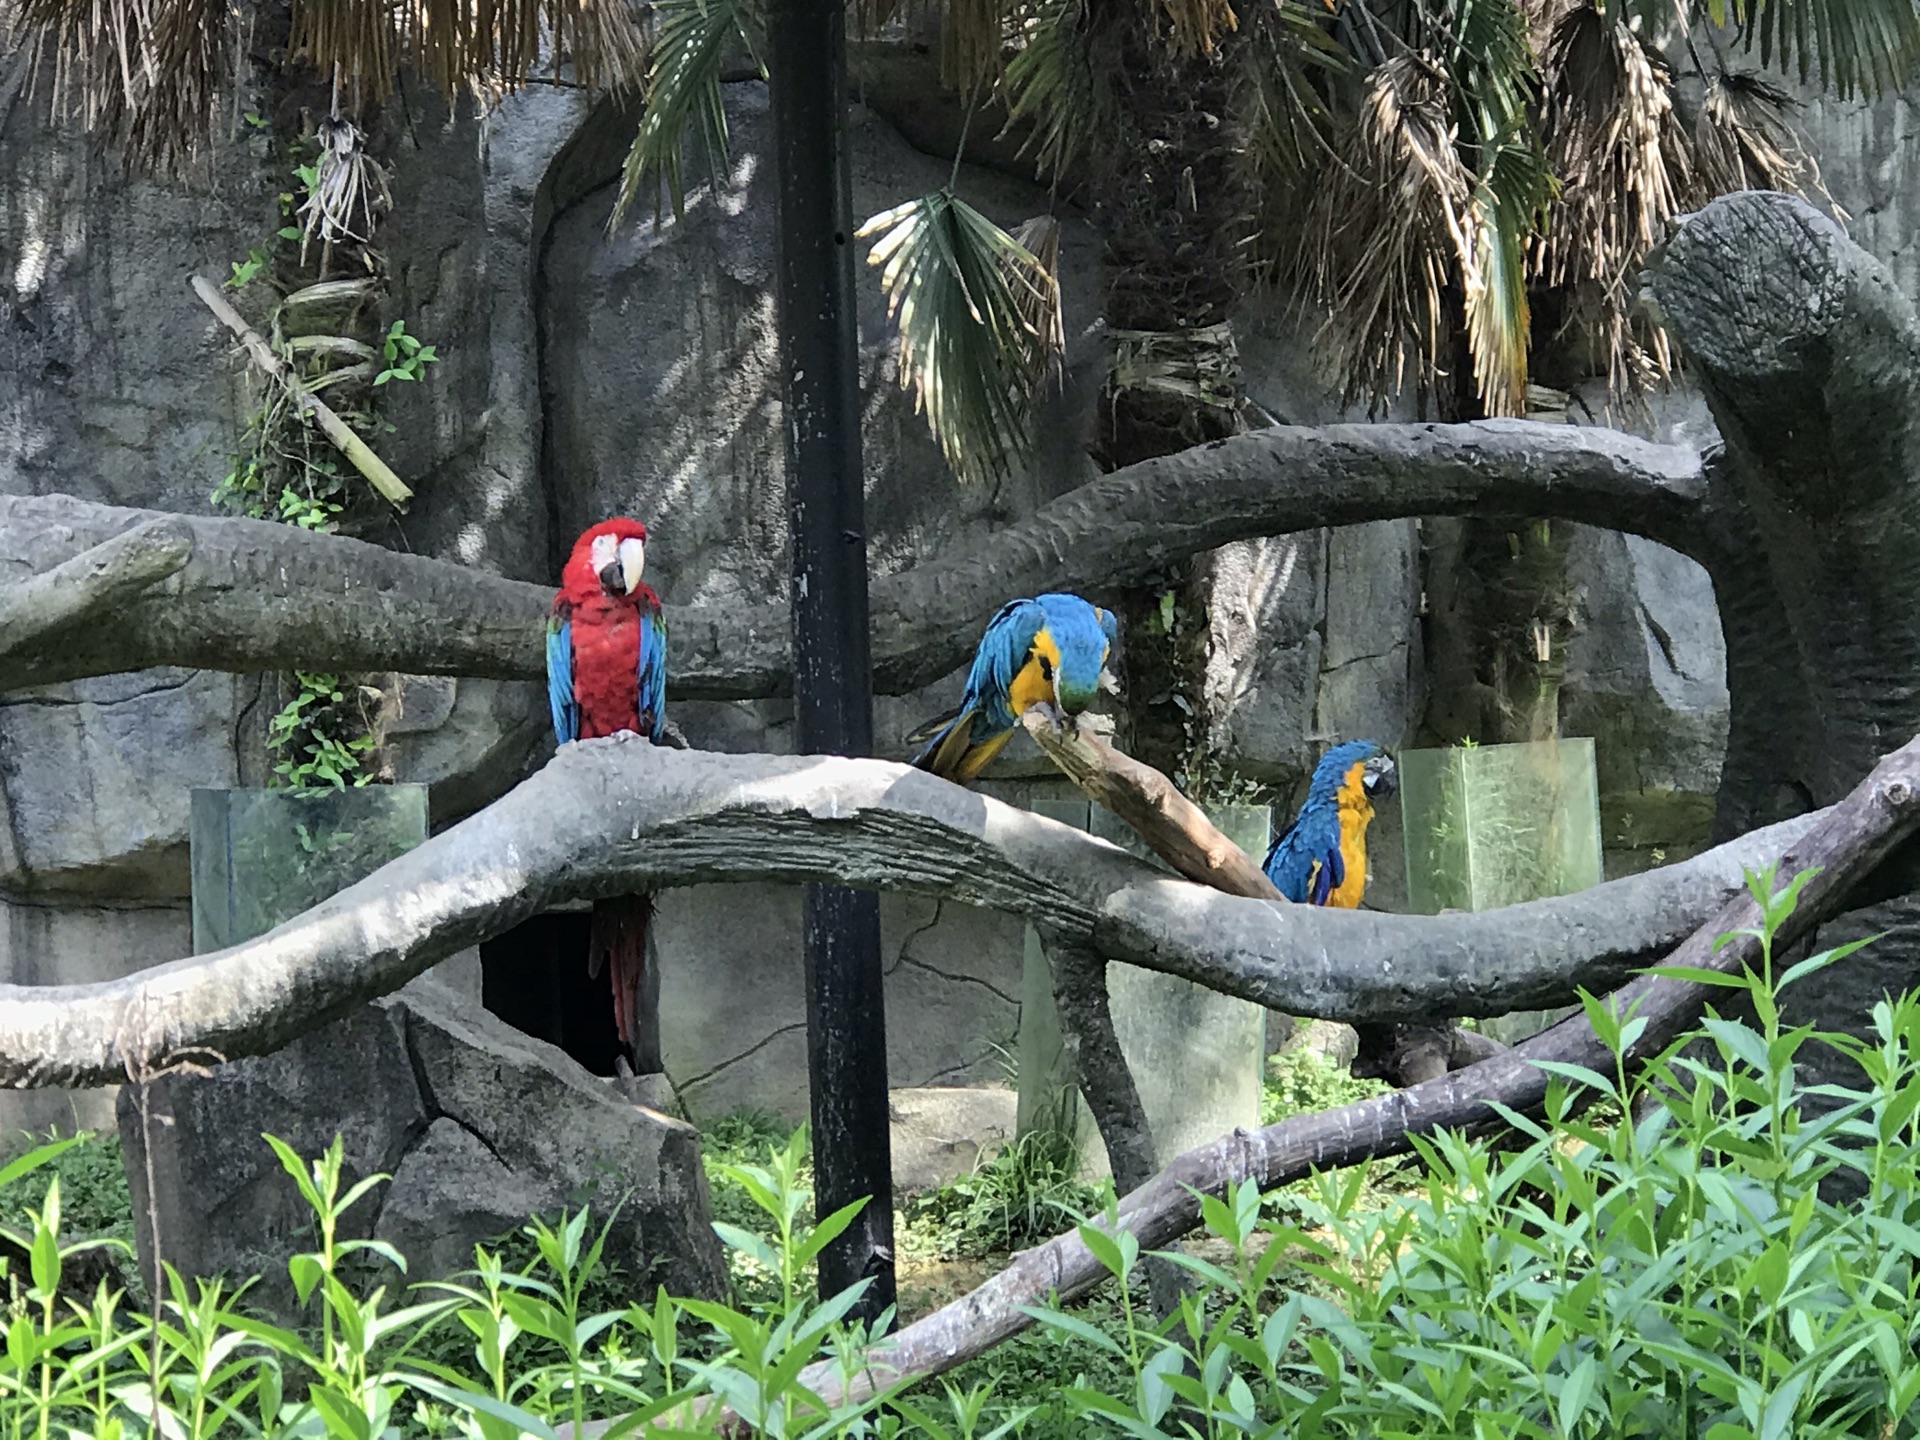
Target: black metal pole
832 681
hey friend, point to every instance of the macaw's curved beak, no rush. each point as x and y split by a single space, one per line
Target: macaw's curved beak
1071 698
1379 778
613 579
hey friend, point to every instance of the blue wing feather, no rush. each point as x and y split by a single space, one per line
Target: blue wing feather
1003 650
653 674
1305 863
560 701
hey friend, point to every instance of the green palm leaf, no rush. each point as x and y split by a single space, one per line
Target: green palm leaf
977 312
1856 46
1053 84
1490 59
691 41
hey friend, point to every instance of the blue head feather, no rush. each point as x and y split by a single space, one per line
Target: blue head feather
1334 765
1081 633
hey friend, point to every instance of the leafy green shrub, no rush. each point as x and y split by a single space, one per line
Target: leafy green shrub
1670 1270
1302 1081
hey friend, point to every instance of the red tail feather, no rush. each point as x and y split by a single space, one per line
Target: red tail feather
618 940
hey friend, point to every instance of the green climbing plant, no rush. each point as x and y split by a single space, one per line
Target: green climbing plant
325 734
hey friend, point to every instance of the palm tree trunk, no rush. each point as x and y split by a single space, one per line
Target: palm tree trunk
1169 206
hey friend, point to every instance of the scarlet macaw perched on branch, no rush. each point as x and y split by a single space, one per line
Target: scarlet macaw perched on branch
1049 648
1321 859
607 677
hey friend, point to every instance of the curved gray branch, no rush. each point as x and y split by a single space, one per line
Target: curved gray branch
111 574
259 596
607 818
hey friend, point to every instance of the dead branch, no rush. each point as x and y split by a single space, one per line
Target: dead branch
605 818
259 596
1175 828
345 439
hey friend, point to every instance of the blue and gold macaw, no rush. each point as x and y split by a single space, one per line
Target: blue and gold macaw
1050 648
1321 859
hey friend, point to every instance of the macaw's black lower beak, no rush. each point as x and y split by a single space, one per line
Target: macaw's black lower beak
612 580
1380 779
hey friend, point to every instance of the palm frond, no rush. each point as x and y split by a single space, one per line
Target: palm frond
1855 46
1196 24
1385 215
1491 64
973 42
1615 141
454 43
1744 139
139 75
1495 273
970 303
145 74
1291 61
691 40
1052 83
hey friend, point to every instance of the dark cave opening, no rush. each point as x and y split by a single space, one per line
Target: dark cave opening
535 978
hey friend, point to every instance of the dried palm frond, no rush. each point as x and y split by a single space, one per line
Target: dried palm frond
973 42
143 74
453 42
1744 139
349 189
1039 305
1195 24
1856 46
146 74
1615 141
1384 218
691 39
972 307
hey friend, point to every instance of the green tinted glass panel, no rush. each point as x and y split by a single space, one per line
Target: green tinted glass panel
260 857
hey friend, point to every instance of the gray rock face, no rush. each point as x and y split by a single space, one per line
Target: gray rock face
59 940
733 1001
1647 679
941 1132
478 1125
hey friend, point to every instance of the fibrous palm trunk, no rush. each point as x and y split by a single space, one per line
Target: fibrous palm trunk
1168 205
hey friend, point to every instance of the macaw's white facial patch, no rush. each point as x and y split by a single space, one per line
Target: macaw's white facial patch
604 549
633 561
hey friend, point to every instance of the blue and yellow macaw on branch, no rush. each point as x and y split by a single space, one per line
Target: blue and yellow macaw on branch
1050 648
1321 859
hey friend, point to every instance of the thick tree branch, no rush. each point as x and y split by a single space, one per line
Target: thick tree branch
258 596
110 576
607 818
1086 1025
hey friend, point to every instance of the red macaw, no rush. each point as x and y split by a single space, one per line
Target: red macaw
607 677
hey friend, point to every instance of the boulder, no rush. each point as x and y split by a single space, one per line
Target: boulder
478 1125
942 1132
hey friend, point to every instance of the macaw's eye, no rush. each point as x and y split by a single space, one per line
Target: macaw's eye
1046 669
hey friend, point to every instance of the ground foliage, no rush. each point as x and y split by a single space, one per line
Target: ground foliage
1680 1273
